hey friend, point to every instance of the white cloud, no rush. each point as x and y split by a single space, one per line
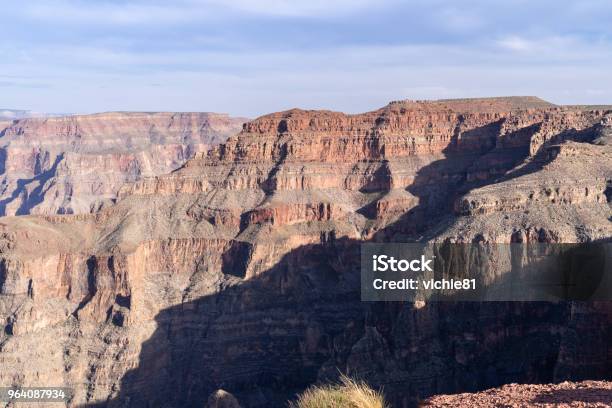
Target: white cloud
515 43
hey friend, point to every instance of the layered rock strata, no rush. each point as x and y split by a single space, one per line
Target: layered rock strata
76 164
240 270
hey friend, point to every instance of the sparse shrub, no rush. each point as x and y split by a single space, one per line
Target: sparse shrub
348 393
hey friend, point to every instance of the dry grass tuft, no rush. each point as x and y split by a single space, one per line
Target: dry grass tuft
348 394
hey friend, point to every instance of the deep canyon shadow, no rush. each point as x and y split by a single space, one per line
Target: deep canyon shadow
302 322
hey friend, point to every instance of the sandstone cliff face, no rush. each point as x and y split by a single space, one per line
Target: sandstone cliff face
240 270
76 164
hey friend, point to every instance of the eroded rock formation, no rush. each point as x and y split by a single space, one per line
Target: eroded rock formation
240 270
76 164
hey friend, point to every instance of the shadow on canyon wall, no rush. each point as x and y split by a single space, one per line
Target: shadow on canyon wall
302 322
34 197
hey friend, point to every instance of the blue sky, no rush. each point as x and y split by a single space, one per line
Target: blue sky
250 57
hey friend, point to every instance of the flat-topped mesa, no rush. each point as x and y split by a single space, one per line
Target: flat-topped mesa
399 129
298 120
487 104
301 149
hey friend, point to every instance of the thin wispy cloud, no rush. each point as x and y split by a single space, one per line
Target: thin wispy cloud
312 8
251 57
183 11
109 13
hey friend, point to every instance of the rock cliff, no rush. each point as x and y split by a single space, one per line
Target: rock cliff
76 164
240 270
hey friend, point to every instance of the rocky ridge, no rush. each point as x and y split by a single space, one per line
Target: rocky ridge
240 270
564 395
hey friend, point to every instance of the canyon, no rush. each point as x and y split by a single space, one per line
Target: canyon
76 164
239 269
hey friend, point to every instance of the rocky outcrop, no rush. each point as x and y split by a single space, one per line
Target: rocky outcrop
563 395
577 174
76 164
240 270
222 399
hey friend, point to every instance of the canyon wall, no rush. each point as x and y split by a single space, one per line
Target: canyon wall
240 270
76 164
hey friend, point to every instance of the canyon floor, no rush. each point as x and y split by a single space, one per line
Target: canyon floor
239 269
